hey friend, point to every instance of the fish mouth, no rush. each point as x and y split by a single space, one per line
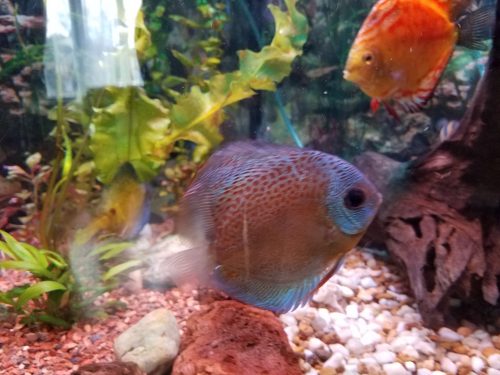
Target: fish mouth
346 74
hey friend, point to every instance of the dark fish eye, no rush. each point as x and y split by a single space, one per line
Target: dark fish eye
367 58
354 198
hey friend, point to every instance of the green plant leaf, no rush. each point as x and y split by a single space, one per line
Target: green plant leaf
38 290
131 129
110 250
32 267
113 271
53 320
17 249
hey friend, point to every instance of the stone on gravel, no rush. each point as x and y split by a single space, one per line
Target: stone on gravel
494 361
449 335
395 368
228 337
152 343
384 357
477 364
448 366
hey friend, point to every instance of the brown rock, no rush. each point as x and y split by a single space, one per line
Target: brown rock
228 337
111 368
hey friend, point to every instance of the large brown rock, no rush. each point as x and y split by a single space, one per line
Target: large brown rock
228 337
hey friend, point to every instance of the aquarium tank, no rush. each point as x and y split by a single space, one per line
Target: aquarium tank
250 187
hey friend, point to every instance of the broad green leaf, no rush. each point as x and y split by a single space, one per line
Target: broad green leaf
113 271
32 267
38 290
55 258
131 129
17 248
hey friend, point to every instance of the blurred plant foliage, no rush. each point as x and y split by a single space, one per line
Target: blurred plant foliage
54 297
142 130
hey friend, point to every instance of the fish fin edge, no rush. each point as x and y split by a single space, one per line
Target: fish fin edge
475 27
268 294
191 265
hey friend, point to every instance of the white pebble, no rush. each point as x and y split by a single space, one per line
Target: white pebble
426 347
364 296
346 291
493 371
388 303
448 366
405 309
351 369
410 366
402 341
335 361
410 352
312 371
494 361
351 311
291 332
289 320
367 314
477 364
339 348
354 346
460 359
449 335
343 333
438 373
368 282
321 320
395 368
371 338
351 281
424 371
384 357
308 354
471 342
315 344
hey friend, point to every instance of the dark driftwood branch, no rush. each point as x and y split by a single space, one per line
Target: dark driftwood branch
442 220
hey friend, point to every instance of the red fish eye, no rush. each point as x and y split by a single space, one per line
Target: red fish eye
354 198
367 58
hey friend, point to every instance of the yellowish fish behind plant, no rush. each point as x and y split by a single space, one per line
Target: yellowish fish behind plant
403 47
122 211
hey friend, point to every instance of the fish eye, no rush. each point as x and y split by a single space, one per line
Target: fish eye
367 58
354 198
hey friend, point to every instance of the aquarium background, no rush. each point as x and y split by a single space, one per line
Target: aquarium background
91 182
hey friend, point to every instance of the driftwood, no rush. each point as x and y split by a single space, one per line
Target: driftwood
441 216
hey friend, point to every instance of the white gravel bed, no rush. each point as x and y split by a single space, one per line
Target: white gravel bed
364 321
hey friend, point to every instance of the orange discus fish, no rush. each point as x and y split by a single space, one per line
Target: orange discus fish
403 47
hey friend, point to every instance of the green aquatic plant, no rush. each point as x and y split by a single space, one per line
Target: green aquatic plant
142 131
54 297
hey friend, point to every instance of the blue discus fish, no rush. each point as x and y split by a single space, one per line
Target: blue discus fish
272 223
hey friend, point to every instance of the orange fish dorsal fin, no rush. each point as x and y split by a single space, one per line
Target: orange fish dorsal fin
446 5
414 100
